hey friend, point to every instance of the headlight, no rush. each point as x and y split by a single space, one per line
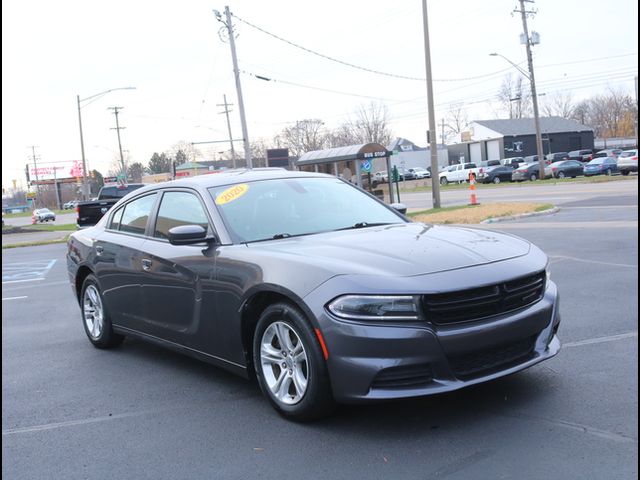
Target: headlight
374 307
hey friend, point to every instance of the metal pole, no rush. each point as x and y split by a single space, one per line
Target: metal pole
233 152
536 116
431 133
55 184
243 120
35 166
85 195
124 168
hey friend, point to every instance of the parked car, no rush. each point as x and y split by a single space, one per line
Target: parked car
43 215
458 173
515 162
90 212
628 161
501 173
534 159
567 168
489 163
557 156
302 281
601 166
610 152
419 172
381 177
585 155
70 205
529 171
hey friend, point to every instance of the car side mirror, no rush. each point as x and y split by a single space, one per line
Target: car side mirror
188 235
400 207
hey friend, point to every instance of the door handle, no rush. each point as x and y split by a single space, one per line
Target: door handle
146 264
99 250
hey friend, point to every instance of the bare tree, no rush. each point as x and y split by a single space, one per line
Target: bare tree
610 114
456 122
559 105
304 136
370 125
515 100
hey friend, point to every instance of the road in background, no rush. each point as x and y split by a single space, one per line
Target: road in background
72 411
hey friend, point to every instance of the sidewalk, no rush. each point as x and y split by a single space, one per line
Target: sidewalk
32 237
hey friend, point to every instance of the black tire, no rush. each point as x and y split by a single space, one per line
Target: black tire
533 177
317 400
496 179
624 172
561 175
105 338
444 181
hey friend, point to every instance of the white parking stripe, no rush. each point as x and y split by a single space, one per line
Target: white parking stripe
22 281
610 338
14 298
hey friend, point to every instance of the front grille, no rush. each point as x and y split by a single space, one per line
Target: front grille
483 362
476 303
403 377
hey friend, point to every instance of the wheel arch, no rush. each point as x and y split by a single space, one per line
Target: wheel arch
256 301
82 273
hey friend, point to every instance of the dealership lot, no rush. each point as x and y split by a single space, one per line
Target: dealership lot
71 411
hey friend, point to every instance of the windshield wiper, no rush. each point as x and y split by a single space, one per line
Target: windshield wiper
363 225
278 236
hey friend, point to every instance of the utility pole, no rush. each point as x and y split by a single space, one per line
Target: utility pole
117 129
636 125
35 167
536 116
226 112
245 135
431 133
442 131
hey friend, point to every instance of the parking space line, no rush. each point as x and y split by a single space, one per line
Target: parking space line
14 298
22 281
591 341
26 271
597 262
71 423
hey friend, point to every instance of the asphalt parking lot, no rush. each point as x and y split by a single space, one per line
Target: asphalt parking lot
139 411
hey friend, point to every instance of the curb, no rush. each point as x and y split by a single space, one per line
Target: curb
522 215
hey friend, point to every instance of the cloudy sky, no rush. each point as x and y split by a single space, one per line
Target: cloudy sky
173 55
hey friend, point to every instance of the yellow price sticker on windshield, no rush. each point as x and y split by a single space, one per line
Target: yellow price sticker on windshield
232 193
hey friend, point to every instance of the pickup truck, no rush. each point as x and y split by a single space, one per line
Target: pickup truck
458 173
90 212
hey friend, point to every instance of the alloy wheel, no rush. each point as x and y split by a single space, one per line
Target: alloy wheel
93 311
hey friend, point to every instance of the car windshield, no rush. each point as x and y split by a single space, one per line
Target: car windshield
597 161
273 209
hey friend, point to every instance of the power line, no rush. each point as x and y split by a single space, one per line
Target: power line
364 69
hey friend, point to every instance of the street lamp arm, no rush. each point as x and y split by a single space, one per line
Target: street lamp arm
105 92
515 65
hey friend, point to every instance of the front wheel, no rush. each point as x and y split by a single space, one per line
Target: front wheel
608 172
289 364
96 320
624 172
533 177
560 174
496 179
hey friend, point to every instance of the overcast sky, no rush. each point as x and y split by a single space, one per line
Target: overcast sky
171 52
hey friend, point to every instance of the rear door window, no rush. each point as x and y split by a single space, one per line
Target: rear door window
136 214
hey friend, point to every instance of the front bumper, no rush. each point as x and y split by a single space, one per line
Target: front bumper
379 362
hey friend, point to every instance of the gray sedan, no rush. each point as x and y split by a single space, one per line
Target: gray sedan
312 286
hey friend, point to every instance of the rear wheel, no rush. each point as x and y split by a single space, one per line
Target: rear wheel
624 172
496 179
289 364
533 177
96 321
561 175
444 181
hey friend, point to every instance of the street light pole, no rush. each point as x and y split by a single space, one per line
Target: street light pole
85 185
534 95
433 142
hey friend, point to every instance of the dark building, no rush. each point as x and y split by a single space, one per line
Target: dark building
496 139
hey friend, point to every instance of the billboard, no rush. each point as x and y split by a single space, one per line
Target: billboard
278 157
55 170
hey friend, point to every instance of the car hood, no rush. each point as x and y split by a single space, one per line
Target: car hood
398 250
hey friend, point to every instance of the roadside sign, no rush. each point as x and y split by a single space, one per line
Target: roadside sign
365 165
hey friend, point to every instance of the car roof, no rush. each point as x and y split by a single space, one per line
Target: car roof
227 177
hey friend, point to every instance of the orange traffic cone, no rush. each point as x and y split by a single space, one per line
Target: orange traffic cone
472 188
